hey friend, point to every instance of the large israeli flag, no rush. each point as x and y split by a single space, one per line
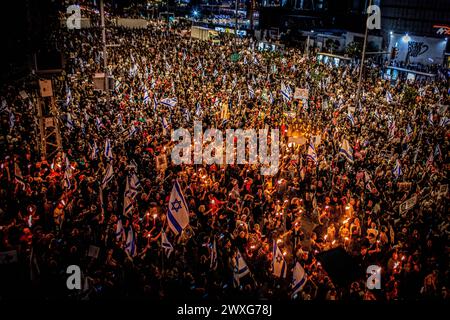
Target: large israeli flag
240 268
299 279
346 151
177 211
169 102
278 262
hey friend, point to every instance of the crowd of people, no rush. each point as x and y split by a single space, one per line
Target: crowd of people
369 178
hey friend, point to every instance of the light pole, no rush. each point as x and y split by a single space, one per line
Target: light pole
235 23
363 57
105 61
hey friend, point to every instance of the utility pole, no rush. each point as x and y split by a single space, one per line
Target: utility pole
363 57
105 60
235 24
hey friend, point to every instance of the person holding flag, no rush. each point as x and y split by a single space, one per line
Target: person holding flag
278 262
178 210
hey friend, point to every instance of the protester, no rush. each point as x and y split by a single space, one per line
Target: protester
109 186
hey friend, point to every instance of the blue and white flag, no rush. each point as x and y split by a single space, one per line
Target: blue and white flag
271 99
98 123
130 245
251 93
444 121
146 96
351 119
299 279
177 211
278 262
213 260
165 244
397 172
155 102
346 151
430 118
132 186
216 73
311 154
389 97
240 268
199 66
169 102
108 175
108 150
127 204
120 231
286 92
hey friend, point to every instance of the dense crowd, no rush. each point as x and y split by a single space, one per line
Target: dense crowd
54 212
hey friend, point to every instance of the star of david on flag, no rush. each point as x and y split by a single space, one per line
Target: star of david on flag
177 211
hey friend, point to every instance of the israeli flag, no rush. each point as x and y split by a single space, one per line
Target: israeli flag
251 93
120 231
165 244
213 263
286 92
108 150
127 204
177 211
155 102
240 268
346 151
397 169
444 121
278 262
389 97
430 118
169 102
216 73
199 66
146 96
187 114
299 279
311 154
132 186
98 123
351 119
130 245
108 176
272 100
